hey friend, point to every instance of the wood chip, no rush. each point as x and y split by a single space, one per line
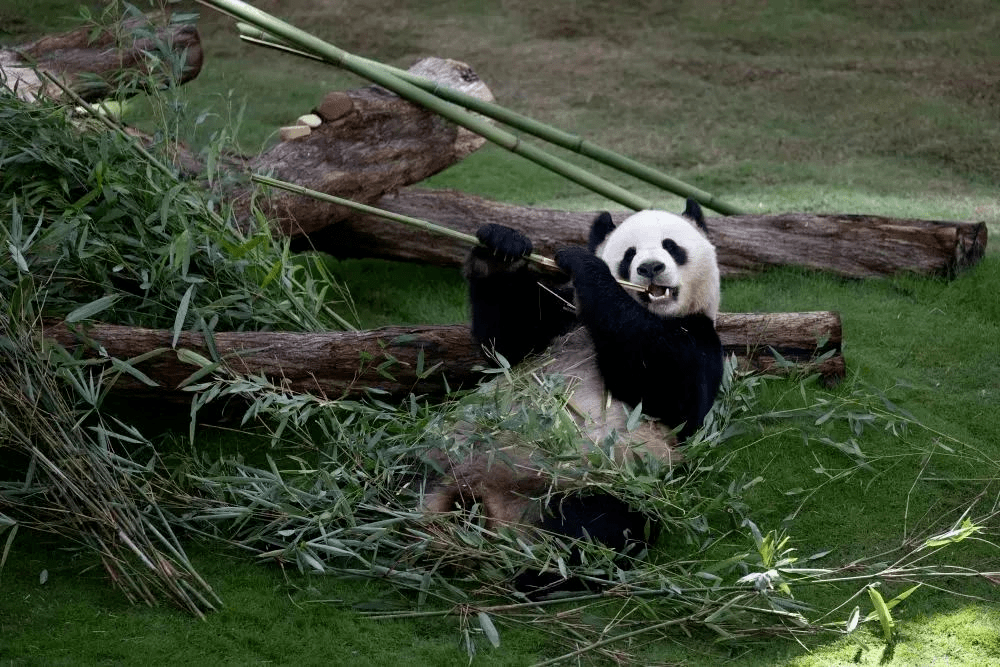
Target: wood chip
309 120
294 132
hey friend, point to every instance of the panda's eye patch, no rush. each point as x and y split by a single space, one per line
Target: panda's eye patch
625 266
678 253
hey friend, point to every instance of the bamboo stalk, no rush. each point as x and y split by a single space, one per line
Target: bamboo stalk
336 56
406 220
524 123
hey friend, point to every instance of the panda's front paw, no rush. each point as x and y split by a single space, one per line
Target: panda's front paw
504 242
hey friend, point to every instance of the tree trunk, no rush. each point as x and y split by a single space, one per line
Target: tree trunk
94 65
856 246
370 142
421 359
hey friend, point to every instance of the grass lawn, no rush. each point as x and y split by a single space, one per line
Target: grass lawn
848 106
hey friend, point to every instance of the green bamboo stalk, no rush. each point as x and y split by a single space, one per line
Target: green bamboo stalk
524 123
330 53
404 219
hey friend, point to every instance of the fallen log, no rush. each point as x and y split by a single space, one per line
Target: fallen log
856 246
95 64
419 359
368 142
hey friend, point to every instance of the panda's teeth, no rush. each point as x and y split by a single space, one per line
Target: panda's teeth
660 292
657 291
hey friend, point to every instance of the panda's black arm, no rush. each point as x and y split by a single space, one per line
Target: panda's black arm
673 366
604 306
514 310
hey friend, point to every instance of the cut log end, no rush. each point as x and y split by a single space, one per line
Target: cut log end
970 247
370 142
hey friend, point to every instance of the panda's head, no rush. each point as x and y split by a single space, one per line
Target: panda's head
667 254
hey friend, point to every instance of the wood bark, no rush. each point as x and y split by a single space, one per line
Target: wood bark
856 246
93 65
345 364
370 142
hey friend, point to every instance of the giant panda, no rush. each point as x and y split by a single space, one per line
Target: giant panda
655 346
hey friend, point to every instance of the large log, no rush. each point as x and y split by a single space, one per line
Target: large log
856 246
370 142
94 64
345 364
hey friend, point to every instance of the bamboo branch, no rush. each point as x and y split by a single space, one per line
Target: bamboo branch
409 91
407 220
524 123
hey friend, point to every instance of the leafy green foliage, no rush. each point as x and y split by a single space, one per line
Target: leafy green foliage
75 485
341 488
95 228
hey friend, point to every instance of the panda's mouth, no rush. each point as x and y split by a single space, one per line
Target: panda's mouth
662 292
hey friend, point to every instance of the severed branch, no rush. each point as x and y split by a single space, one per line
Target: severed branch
345 364
856 246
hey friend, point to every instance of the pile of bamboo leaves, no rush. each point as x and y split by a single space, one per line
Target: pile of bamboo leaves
341 490
80 481
97 224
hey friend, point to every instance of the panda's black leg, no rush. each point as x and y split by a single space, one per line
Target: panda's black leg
598 517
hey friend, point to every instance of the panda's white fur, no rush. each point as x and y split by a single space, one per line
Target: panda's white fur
685 288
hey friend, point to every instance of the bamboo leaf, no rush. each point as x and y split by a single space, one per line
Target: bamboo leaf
129 369
191 357
882 613
893 602
902 596
272 274
182 309
18 258
167 202
489 629
206 366
966 529
634 418
420 362
852 621
94 307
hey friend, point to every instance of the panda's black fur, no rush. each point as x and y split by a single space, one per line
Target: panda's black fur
658 348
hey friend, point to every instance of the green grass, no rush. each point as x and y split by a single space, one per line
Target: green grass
854 107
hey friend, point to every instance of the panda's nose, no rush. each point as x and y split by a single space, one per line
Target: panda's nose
650 269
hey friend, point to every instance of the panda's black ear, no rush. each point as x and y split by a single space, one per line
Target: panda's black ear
599 230
692 211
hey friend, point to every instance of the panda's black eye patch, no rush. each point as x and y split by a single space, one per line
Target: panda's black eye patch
678 253
625 266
